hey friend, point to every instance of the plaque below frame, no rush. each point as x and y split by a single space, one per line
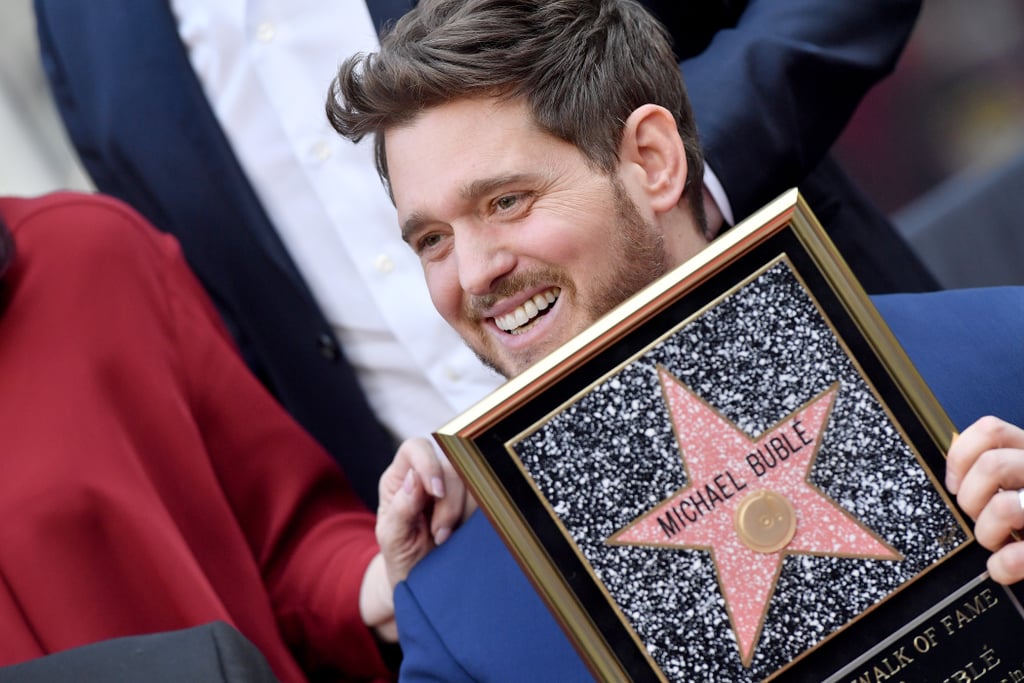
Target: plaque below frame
819 464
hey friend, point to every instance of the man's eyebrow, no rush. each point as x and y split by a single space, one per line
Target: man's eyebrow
478 188
470 192
412 225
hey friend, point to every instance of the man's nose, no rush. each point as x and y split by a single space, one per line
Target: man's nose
482 261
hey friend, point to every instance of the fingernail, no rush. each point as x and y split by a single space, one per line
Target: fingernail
442 535
438 485
407 485
952 481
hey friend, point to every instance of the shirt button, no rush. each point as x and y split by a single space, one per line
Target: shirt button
452 374
321 151
327 347
384 264
265 32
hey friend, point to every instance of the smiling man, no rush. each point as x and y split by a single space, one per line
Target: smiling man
539 185
543 159
524 240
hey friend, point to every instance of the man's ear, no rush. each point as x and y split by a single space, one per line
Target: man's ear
654 153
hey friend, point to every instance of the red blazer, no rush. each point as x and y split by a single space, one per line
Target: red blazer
149 482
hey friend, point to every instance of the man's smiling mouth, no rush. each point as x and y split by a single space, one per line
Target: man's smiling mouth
519 320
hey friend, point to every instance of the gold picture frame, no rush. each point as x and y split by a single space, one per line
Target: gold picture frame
733 475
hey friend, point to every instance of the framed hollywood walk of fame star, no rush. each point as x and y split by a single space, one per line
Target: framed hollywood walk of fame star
735 476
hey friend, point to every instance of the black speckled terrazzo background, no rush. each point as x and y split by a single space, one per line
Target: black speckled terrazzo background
611 455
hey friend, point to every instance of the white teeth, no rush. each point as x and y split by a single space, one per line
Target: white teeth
529 310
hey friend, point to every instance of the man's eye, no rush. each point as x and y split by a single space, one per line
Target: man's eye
507 202
429 241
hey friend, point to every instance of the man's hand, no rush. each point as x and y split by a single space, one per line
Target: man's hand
985 469
422 500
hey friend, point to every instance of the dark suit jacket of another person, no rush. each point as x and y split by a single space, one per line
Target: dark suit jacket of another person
772 82
211 653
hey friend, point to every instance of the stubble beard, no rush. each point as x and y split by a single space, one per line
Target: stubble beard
637 257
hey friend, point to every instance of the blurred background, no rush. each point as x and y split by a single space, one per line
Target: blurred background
939 145
36 155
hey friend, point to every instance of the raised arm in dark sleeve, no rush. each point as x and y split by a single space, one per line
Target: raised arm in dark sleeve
773 83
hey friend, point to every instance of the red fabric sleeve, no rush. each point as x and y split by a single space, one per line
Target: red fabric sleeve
151 482
308 531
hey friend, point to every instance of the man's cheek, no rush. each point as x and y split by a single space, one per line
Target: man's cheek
445 293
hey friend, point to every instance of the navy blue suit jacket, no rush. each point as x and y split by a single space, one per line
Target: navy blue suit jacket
141 124
468 613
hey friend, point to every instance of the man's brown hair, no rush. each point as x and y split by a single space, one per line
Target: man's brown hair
582 66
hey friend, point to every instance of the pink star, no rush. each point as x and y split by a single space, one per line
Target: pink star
749 503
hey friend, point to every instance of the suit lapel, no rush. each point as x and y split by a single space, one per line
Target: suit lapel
206 160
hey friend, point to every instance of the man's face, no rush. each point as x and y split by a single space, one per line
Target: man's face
523 244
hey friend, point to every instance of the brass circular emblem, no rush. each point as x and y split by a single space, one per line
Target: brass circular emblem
765 521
